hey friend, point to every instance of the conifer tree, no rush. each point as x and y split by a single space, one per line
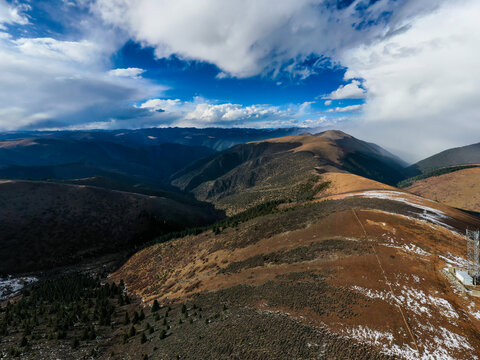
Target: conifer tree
155 306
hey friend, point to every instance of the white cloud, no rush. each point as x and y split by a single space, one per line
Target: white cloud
12 13
350 108
53 83
72 51
170 105
222 75
419 73
231 113
248 37
423 82
128 72
349 91
201 112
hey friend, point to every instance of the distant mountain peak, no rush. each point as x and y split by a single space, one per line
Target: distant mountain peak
333 135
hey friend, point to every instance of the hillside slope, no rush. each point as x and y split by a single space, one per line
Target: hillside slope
261 171
358 276
45 225
460 189
469 154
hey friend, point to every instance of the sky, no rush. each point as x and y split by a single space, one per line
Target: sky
401 73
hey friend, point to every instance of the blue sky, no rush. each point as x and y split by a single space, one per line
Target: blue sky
380 69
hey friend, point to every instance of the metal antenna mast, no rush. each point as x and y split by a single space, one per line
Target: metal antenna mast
473 252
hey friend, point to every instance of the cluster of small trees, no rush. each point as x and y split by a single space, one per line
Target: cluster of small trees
53 309
77 309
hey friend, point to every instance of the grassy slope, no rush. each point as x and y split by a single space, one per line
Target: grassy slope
437 172
307 270
459 188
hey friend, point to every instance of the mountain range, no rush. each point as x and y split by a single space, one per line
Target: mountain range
235 244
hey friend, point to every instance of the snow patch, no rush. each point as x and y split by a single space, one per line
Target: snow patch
414 300
457 261
430 214
419 302
440 347
372 294
11 286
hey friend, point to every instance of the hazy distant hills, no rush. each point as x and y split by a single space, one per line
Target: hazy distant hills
469 154
271 169
46 225
40 158
214 138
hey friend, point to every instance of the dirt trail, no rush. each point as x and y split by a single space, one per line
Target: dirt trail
387 282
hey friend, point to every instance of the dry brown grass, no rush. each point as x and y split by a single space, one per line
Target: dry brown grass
459 189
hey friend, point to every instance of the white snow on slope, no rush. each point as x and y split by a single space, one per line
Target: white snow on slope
414 300
457 261
431 214
441 345
11 286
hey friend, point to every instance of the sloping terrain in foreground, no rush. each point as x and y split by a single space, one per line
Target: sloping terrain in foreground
460 189
357 275
45 225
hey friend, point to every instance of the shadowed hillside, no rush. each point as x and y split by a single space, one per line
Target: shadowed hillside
54 158
46 225
469 154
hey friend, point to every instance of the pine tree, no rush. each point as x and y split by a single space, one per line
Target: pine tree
23 342
155 306
135 318
126 320
132 331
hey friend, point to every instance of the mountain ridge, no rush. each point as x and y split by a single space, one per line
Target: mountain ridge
270 169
